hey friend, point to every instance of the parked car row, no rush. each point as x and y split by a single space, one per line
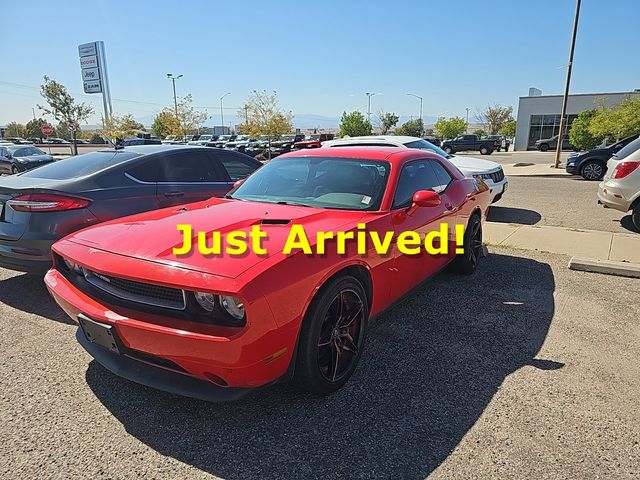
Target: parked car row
215 327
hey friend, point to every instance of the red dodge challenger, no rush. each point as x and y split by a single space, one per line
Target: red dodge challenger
215 326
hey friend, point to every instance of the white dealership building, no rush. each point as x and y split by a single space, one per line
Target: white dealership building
539 115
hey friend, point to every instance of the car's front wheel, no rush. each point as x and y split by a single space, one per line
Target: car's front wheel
592 170
485 151
544 147
332 336
448 149
467 262
14 170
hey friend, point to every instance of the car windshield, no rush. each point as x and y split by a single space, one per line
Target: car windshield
287 138
323 182
312 137
205 137
628 149
81 165
223 138
424 145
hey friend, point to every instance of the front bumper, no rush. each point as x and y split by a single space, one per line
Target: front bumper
225 357
572 168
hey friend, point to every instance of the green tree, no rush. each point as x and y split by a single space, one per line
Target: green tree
450 128
96 139
190 119
627 118
412 128
480 133
33 128
508 129
579 134
354 125
63 107
165 124
387 121
263 115
120 127
494 117
15 129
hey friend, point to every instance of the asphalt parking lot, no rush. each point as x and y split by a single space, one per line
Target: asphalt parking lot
562 201
524 370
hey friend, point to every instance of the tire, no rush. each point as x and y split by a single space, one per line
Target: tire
466 263
327 334
485 151
593 170
14 170
635 216
498 149
448 149
544 147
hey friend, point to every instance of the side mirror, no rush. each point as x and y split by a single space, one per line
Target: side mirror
426 198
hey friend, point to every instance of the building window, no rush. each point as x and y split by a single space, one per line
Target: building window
546 126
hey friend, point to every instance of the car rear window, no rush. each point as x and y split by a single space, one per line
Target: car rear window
628 150
81 165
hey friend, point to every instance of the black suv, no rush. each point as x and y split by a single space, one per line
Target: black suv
592 164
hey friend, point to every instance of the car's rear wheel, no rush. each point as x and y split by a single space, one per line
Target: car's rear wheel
14 170
592 170
448 149
544 147
484 151
332 336
467 262
635 216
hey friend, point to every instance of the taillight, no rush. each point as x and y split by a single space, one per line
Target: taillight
625 168
46 202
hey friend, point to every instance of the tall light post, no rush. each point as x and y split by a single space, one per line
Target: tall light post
221 109
173 79
567 83
369 95
467 129
418 96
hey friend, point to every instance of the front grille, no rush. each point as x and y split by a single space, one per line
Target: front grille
145 293
497 176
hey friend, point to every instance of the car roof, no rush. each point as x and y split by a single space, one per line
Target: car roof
389 154
156 148
394 139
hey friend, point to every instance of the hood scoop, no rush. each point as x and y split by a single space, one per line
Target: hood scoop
275 221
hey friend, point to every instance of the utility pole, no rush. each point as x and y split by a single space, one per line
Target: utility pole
34 112
421 121
565 98
173 79
369 95
467 129
222 111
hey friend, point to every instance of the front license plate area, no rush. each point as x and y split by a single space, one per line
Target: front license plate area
99 333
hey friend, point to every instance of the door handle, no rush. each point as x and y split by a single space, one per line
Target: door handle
450 207
173 194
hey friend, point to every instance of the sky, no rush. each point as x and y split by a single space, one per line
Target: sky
320 57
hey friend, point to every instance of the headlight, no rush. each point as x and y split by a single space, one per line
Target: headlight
233 306
206 300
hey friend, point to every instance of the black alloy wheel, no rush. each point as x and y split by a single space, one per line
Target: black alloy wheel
332 336
467 262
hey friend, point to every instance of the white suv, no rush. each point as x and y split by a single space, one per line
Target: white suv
620 188
490 172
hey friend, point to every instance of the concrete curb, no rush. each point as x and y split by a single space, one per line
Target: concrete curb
607 267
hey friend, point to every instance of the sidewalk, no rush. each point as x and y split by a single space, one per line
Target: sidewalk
593 244
537 170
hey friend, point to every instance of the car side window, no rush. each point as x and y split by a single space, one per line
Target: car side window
236 168
444 179
417 175
188 167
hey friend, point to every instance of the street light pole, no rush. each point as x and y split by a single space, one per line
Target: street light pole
369 95
418 96
565 98
222 111
467 129
173 79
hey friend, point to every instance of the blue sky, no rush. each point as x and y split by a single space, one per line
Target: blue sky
321 57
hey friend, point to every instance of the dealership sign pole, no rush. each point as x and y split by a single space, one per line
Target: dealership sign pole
93 64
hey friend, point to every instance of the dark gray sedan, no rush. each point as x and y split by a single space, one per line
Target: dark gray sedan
20 158
43 205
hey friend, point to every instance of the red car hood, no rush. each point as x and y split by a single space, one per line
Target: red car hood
153 235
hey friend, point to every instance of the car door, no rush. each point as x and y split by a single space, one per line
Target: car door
5 165
412 269
190 176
